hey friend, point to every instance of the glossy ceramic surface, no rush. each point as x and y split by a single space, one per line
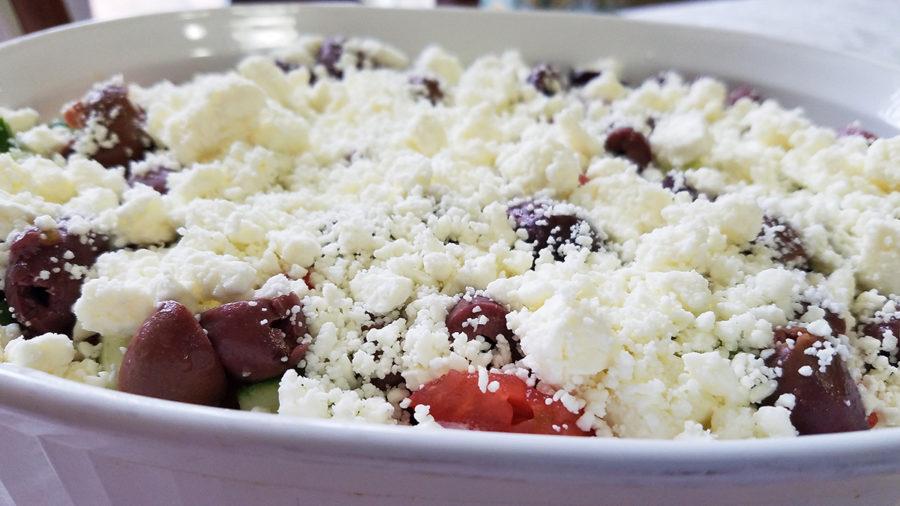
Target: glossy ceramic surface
65 443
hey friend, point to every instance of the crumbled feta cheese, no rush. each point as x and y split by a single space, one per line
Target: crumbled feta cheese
19 120
566 340
380 290
379 207
50 353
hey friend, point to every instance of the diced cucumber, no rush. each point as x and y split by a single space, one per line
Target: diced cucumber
58 123
262 396
6 316
111 353
7 137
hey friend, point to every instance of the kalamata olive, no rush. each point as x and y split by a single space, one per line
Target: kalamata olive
579 78
427 87
44 276
156 178
289 66
546 79
110 124
784 241
881 328
663 77
676 182
286 66
257 339
171 358
837 324
298 353
826 397
329 56
554 229
389 381
478 316
628 142
377 322
743 91
854 129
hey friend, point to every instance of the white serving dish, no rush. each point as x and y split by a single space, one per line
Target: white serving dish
64 443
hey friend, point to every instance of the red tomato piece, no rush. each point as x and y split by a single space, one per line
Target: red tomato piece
552 419
456 401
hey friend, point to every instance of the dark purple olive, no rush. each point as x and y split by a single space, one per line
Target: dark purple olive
427 87
662 77
826 401
879 328
156 178
784 241
389 381
333 53
546 79
329 56
466 317
628 142
120 120
257 339
676 182
289 66
579 78
743 91
853 129
171 358
549 229
298 353
44 276
837 324
286 66
377 322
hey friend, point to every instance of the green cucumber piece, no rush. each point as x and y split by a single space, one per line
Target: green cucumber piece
7 137
58 123
262 396
111 353
6 316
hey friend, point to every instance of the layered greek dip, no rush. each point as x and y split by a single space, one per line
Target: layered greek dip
337 231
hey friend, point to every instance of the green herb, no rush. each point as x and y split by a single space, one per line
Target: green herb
7 138
6 316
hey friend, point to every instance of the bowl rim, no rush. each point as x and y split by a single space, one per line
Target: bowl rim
325 5
61 400
58 399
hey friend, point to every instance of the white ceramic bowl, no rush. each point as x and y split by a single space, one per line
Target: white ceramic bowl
64 443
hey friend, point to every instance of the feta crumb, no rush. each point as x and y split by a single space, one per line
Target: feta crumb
50 352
